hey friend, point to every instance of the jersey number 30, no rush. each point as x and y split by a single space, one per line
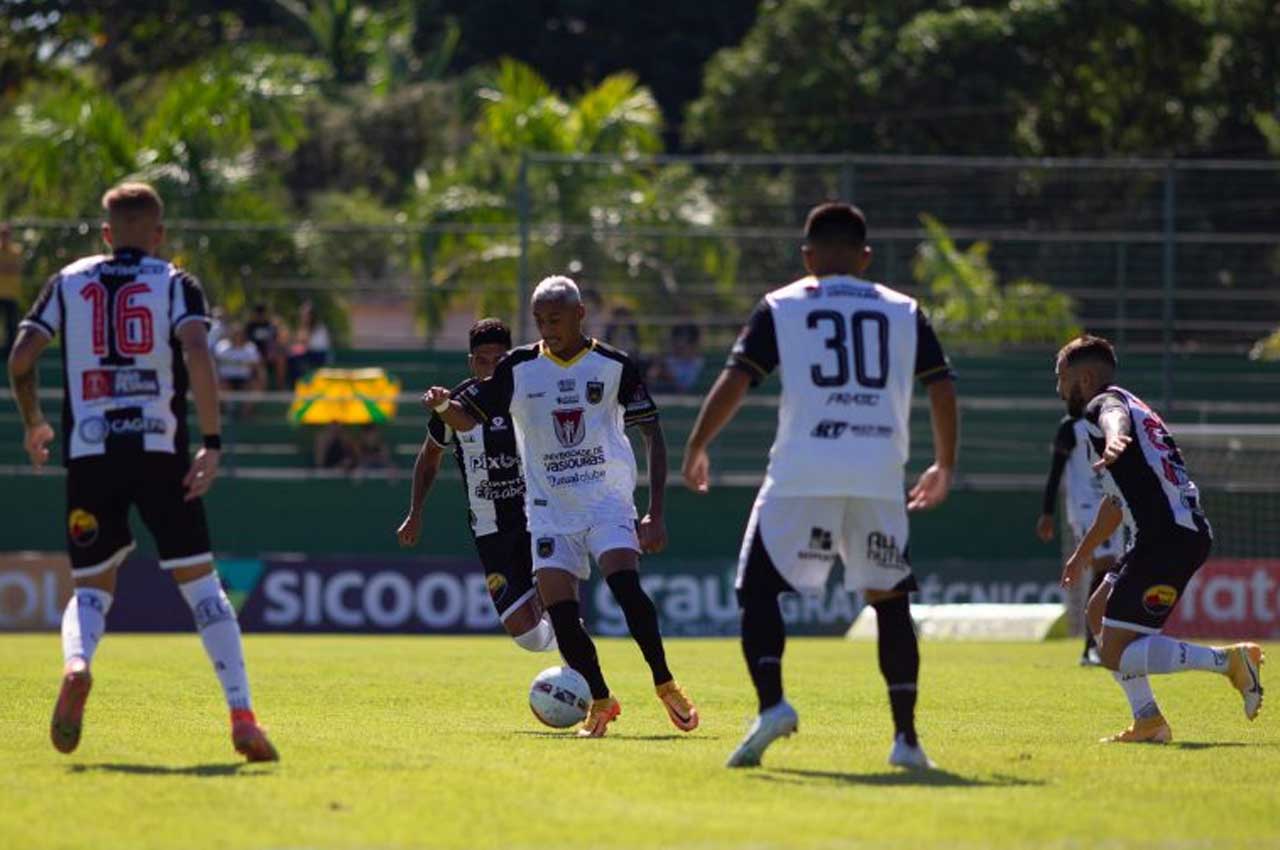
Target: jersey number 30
870 332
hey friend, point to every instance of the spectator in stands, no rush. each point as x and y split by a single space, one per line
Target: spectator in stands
311 346
678 370
10 287
595 308
265 334
372 451
239 366
334 449
623 334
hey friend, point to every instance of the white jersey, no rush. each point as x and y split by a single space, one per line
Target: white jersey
848 351
123 371
1084 486
570 421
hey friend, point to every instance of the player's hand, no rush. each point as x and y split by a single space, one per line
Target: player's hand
204 468
697 470
1115 447
931 490
1044 527
434 397
652 532
1075 567
36 442
408 532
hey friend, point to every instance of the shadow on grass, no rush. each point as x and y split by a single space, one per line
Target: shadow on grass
205 770
934 778
620 736
1207 745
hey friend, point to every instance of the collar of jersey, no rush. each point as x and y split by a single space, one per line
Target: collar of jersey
546 352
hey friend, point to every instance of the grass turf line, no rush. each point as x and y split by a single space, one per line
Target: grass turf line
428 742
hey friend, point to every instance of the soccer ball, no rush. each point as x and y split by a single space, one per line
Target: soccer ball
559 697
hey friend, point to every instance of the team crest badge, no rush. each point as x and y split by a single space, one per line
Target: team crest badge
595 391
82 527
569 427
1158 599
546 547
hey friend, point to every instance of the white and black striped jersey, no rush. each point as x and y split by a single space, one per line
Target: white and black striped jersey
1084 486
490 467
1150 478
122 366
570 418
849 352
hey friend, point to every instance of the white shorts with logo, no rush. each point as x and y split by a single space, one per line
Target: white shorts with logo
572 552
803 536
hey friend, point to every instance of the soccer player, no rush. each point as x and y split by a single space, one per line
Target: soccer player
133 332
1084 494
490 467
1150 490
848 351
570 399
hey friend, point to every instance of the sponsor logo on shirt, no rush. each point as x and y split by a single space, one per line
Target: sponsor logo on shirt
108 383
569 427
82 527
96 429
882 549
820 546
498 491
577 459
853 399
595 391
833 429
498 423
566 399
494 463
567 385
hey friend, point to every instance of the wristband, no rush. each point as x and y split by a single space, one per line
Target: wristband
442 406
213 442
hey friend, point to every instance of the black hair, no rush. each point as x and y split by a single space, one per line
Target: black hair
836 224
1088 348
488 331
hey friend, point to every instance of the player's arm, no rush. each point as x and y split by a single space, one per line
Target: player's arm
425 469
653 528
1112 416
477 402
439 401
194 337
934 370
1063 445
22 380
753 357
1104 525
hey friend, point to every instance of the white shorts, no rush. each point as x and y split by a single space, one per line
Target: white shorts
804 535
572 552
1112 547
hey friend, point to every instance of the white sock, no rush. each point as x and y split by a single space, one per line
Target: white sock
83 622
220 633
1142 702
541 638
1159 654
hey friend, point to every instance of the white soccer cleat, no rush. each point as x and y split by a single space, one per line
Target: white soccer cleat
773 723
912 758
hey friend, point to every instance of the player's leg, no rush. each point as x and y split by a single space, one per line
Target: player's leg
98 541
1148 724
181 532
559 563
617 550
508 566
1102 565
876 552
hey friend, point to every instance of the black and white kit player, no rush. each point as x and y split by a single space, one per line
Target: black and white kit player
1084 494
571 399
848 352
490 465
1150 490
133 329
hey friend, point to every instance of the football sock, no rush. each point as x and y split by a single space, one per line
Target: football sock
576 647
1137 689
764 636
220 634
541 638
83 622
642 621
1159 654
899 663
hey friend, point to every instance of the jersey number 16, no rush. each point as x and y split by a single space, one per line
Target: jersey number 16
870 330
128 331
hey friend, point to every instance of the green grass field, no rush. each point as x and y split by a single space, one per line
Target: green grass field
428 742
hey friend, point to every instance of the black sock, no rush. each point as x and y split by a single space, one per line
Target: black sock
576 646
899 662
642 621
1089 641
764 636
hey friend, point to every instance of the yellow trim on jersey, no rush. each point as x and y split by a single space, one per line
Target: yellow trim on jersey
547 353
744 360
935 370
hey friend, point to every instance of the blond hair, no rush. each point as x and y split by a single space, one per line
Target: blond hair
132 201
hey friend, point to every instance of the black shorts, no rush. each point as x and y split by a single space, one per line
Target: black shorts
1150 578
507 557
99 493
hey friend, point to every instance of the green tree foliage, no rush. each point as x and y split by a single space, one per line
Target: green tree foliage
968 304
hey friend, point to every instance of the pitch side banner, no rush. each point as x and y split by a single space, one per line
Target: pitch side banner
1231 598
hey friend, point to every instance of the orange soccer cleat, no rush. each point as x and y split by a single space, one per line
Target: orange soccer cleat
681 710
68 712
249 738
599 716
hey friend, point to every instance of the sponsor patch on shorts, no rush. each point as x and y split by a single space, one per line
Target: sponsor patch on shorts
495 582
82 527
546 547
1158 599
